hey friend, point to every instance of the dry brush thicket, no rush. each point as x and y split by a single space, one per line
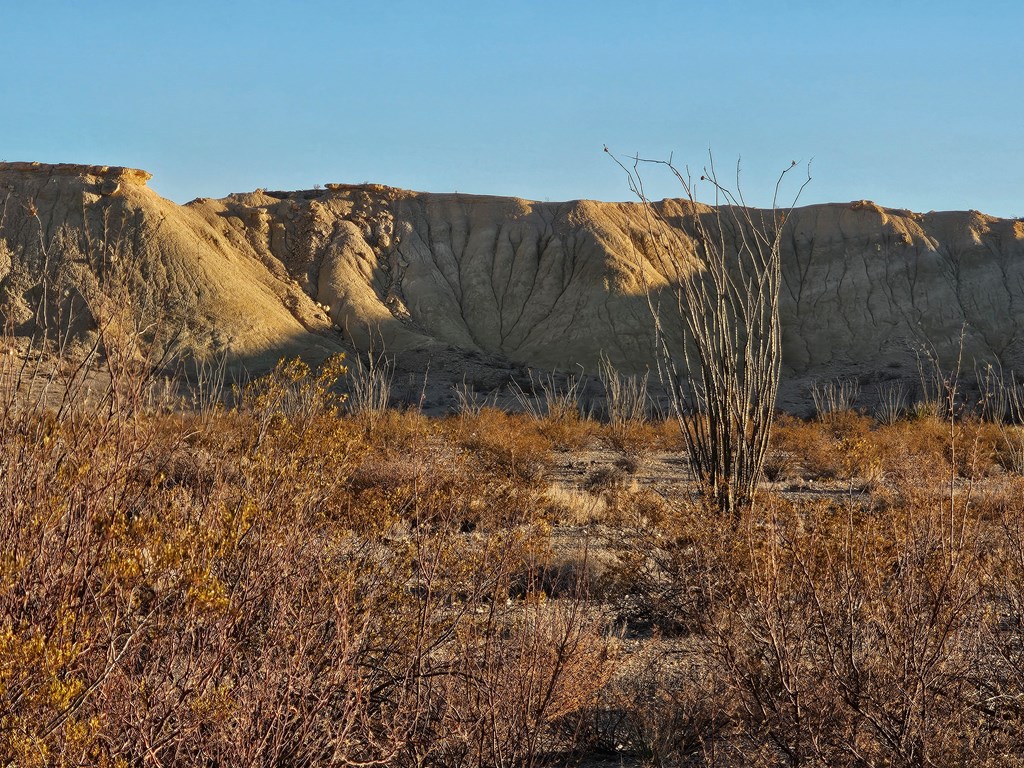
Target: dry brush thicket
277 584
281 583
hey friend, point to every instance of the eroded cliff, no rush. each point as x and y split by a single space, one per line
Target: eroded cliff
552 285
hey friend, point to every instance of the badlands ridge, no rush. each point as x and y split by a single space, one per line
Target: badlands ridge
488 285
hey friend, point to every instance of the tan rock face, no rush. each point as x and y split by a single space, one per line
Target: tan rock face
546 284
87 241
108 172
556 284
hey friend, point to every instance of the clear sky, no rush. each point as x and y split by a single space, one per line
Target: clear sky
911 104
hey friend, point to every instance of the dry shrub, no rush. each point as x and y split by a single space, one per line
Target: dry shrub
914 449
832 635
485 471
567 432
506 673
834 397
855 453
632 439
410 475
505 443
847 639
924 451
152 619
1004 557
667 565
661 706
434 481
188 591
1008 451
848 446
847 425
779 465
838 447
982 443
525 680
555 403
669 436
635 506
395 431
627 397
628 430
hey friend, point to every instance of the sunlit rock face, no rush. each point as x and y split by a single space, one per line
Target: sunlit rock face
867 292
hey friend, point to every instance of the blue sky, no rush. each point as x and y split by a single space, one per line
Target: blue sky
911 104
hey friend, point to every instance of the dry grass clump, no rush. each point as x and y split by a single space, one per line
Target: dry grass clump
572 507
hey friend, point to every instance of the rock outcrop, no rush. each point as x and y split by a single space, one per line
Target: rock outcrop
552 285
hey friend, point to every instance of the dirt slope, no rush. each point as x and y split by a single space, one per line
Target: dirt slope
86 239
543 284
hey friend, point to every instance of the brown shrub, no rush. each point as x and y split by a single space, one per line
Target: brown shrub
567 431
662 707
246 588
835 635
632 439
812 450
1008 451
510 445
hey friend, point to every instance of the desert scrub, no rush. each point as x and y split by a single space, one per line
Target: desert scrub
631 439
271 584
485 471
830 629
839 447
138 606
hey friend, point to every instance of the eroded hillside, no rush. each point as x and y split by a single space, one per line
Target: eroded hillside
552 285
80 242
